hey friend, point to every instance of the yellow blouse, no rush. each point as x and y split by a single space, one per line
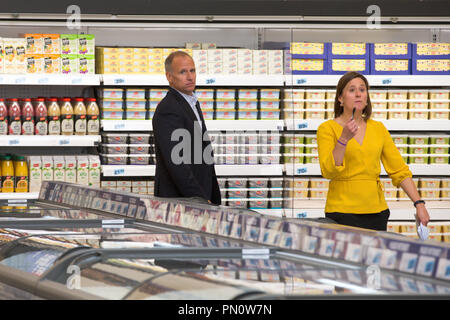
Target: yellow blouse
355 186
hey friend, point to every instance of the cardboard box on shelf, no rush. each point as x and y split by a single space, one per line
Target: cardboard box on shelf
71 169
94 171
59 171
51 44
35 168
82 170
47 168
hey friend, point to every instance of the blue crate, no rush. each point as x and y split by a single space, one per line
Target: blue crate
418 56
365 71
373 71
324 55
389 56
415 71
366 55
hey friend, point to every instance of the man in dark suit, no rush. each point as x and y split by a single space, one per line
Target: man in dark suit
184 158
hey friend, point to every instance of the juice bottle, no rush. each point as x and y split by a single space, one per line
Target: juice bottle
15 124
66 117
53 117
27 117
80 117
1 176
21 174
7 174
93 122
40 117
3 118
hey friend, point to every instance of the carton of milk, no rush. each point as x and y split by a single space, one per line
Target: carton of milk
83 170
94 171
71 169
47 168
35 165
59 168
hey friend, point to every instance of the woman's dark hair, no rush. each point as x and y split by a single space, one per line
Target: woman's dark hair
346 78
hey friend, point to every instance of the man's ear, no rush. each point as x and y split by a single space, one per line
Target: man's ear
169 77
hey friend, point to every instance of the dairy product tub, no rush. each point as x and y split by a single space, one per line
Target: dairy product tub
403 148
293 114
439 158
418 159
140 138
247 115
400 139
379 104
258 193
229 94
291 138
269 138
222 114
397 94
379 114
139 159
269 104
258 183
139 148
442 139
417 149
398 105
312 158
237 193
439 105
237 203
319 183
293 158
115 148
294 148
418 94
429 193
115 138
112 93
293 94
317 193
293 104
119 159
378 94
418 139
439 94
270 114
439 115
315 94
258 204
270 159
237 182
309 114
429 183
439 149
276 182
225 104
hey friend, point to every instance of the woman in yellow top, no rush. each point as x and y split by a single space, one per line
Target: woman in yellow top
350 149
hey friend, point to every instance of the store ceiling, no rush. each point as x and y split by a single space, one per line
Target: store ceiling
346 8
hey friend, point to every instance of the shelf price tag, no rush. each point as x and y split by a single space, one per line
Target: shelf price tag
386 81
64 142
119 171
43 80
302 214
77 80
302 125
119 81
302 170
13 142
301 81
210 80
119 126
20 80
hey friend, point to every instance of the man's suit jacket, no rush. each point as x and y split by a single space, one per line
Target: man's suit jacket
194 177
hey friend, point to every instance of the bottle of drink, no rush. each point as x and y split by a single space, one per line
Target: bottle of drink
53 117
27 117
7 174
21 174
40 117
3 118
15 123
80 117
67 117
93 122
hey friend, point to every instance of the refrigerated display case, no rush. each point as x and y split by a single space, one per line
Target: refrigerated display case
175 249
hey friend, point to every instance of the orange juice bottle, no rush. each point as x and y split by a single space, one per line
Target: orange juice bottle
93 122
80 117
21 174
7 174
67 117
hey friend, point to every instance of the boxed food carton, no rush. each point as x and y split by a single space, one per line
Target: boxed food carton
35 167
69 64
59 168
69 43
94 171
82 170
47 168
51 44
52 63
34 42
35 63
71 169
86 64
86 44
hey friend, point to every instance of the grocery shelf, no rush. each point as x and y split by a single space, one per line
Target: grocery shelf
17 196
50 79
49 141
128 170
126 125
391 125
417 169
374 80
400 210
202 80
212 125
249 170
221 170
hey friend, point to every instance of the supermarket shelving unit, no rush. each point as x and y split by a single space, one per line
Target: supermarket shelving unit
169 31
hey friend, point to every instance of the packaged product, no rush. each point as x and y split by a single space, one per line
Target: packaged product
51 44
69 44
